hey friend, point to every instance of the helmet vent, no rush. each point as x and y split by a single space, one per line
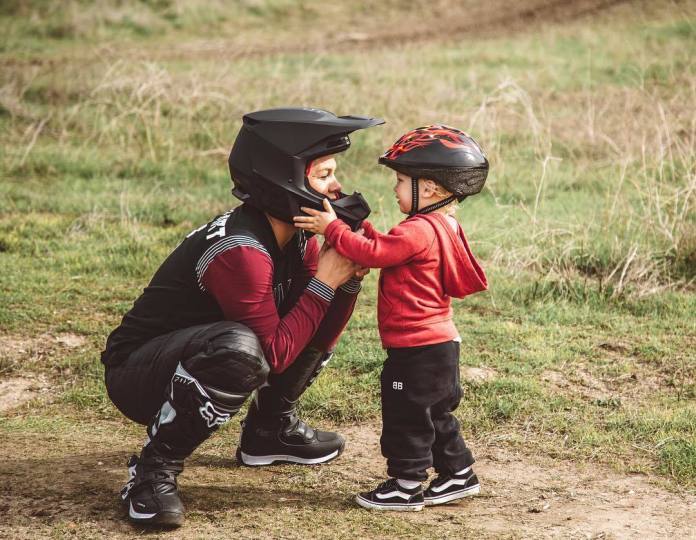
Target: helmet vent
340 141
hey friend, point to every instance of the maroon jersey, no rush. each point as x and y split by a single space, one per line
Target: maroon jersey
232 269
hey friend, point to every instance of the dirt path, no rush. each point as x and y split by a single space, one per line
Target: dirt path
60 477
536 496
351 31
442 22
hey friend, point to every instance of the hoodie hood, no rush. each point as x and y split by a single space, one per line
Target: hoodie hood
461 273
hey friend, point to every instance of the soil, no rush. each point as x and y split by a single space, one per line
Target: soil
16 391
63 480
444 21
25 354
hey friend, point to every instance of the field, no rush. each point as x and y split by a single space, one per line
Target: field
116 118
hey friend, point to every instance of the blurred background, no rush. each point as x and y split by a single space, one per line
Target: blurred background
117 116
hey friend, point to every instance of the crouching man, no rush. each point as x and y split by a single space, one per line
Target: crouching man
244 304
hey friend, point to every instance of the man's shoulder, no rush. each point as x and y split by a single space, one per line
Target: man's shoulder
235 228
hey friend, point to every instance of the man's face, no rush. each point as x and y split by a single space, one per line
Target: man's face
322 177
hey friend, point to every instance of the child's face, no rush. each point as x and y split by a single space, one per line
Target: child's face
427 192
403 192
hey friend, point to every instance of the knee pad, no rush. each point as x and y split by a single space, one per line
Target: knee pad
232 359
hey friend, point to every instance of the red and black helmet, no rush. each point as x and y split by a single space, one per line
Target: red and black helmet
441 153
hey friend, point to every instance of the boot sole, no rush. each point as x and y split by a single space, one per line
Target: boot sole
389 507
450 497
260 461
161 519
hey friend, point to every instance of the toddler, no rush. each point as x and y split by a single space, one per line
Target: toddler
425 260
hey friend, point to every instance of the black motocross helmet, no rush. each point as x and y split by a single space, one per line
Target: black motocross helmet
441 153
270 157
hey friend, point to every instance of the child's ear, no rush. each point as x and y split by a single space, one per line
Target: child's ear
429 187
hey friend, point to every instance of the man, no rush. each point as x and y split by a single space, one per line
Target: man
243 303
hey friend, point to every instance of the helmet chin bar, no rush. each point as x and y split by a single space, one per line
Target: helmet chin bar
351 209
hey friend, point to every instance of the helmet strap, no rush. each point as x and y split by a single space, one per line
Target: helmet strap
414 196
427 209
437 205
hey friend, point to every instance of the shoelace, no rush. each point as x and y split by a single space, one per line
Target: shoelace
391 483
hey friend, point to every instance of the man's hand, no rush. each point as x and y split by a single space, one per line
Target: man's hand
360 273
316 221
334 269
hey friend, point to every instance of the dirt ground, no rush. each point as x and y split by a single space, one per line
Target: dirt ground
60 479
533 496
444 21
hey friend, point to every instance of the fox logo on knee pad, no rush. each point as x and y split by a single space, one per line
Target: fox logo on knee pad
211 416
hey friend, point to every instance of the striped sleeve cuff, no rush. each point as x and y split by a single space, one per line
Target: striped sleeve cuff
352 286
321 289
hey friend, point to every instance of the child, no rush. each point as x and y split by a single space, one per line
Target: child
425 260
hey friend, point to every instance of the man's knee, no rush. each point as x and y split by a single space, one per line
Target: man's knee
232 358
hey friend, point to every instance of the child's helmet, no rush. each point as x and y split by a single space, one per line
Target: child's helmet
270 157
441 153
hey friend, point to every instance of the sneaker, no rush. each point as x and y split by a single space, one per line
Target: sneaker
151 492
447 488
286 440
390 495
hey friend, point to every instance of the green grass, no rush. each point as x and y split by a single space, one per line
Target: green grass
586 227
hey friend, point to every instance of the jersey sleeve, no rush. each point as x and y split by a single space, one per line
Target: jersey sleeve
376 250
241 281
341 307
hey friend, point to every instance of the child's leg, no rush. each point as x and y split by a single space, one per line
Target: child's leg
412 384
407 431
407 436
450 453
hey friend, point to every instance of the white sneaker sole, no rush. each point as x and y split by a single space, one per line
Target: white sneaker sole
257 461
449 497
166 519
386 506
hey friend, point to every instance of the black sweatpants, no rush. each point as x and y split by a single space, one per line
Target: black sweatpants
420 390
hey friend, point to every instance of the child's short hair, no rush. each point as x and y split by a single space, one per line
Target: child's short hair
442 191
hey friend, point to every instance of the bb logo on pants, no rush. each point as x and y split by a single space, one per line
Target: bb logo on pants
211 416
398 385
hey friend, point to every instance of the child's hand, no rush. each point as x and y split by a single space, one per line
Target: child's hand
316 221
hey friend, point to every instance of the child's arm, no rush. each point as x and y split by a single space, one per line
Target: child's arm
374 250
368 230
399 246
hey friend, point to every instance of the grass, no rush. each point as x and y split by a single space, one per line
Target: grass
586 228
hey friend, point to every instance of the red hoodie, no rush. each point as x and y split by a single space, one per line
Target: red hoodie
424 262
